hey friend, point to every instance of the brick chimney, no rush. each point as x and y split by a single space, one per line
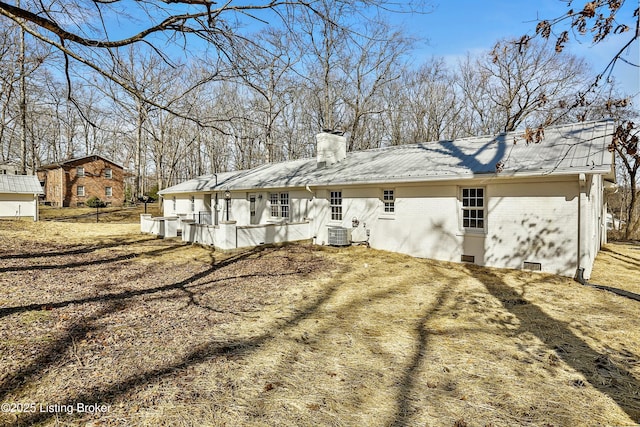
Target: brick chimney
331 147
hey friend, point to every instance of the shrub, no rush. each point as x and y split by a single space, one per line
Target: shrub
95 202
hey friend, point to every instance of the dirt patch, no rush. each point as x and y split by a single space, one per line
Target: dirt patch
163 333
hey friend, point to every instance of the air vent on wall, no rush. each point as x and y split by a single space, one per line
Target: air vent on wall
468 258
534 266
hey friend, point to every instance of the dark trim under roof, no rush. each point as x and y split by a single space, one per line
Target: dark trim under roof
77 160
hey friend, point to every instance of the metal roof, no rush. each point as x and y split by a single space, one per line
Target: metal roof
568 149
22 184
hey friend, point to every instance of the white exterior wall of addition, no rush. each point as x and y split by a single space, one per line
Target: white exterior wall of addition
533 222
594 221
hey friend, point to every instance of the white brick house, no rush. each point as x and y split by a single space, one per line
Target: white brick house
494 201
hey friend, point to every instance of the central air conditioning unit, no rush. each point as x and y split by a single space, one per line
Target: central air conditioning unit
338 236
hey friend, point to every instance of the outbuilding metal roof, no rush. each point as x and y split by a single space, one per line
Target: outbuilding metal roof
20 184
563 150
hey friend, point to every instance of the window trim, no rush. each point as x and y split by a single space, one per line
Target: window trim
108 191
472 206
108 173
78 188
80 172
277 206
388 201
336 209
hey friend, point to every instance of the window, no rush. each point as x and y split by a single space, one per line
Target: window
473 208
284 205
80 171
108 191
173 200
80 190
335 201
193 203
108 173
279 205
388 197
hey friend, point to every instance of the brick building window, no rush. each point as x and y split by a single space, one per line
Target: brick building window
80 171
108 191
80 190
108 173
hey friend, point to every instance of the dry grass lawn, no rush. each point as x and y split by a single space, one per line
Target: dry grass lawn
169 334
108 215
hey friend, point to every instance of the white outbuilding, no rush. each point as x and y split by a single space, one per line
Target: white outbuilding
516 200
19 196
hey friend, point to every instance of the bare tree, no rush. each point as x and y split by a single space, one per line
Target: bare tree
515 85
434 105
371 62
625 144
81 29
599 19
19 59
265 67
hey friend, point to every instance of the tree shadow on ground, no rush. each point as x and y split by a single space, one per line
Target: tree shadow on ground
85 263
126 295
110 392
407 385
632 261
568 346
76 249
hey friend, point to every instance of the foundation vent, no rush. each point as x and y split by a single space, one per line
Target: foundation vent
468 258
533 266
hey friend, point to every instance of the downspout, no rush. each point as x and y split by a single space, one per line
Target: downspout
312 206
306 187
215 208
579 277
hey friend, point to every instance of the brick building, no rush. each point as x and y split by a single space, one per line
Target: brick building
74 181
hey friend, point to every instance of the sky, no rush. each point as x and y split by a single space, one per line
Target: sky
455 27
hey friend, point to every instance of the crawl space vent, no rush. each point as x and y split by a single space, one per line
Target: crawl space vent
468 258
534 266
